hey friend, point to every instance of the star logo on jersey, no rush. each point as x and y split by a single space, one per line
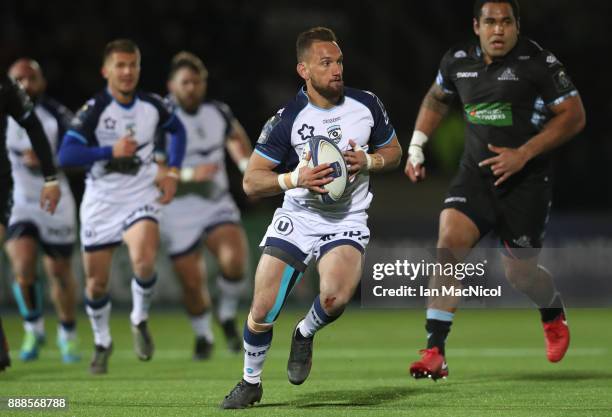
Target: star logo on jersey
110 123
306 132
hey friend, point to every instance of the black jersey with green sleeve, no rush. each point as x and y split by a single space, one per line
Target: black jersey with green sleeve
506 102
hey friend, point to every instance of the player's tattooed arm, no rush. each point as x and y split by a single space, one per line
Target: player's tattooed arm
433 109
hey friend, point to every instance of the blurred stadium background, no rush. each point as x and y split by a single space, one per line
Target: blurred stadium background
392 48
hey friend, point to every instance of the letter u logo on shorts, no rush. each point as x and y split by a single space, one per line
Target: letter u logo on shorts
283 225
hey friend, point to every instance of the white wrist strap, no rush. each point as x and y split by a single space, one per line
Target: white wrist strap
418 139
242 165
187 174
281 181
358 148
293 177
52 183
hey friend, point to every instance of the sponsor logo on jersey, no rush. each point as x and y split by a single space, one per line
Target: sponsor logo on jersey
562 81
508 75
332 120
460 54
335 133
493 114
130 129
64 231
467 75
522 242
269 127
524 57
551 59
283 225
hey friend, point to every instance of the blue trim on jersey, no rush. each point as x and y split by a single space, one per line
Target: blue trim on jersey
74 153
260 153
165 125
303 91
387 141
561 99
76 135
441 315
178 142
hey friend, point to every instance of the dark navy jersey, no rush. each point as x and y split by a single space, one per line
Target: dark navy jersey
507 102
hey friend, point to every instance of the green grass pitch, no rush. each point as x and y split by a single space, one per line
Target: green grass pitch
496 359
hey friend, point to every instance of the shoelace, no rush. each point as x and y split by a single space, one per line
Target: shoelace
303 349
235 390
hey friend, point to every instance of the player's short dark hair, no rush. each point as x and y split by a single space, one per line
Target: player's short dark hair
120 45
478 5
307 38
185 59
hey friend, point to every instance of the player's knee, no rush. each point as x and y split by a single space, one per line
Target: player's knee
25 275
143 264
334 302
191 286
95 288
24 268
232 264
233 270
60 271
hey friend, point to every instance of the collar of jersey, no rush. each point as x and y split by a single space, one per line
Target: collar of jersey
303 91
125 106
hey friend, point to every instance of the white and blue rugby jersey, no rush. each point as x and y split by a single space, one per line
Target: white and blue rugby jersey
207 130
55 120
359 116
101 122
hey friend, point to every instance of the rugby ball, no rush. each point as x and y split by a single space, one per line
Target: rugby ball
324 151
